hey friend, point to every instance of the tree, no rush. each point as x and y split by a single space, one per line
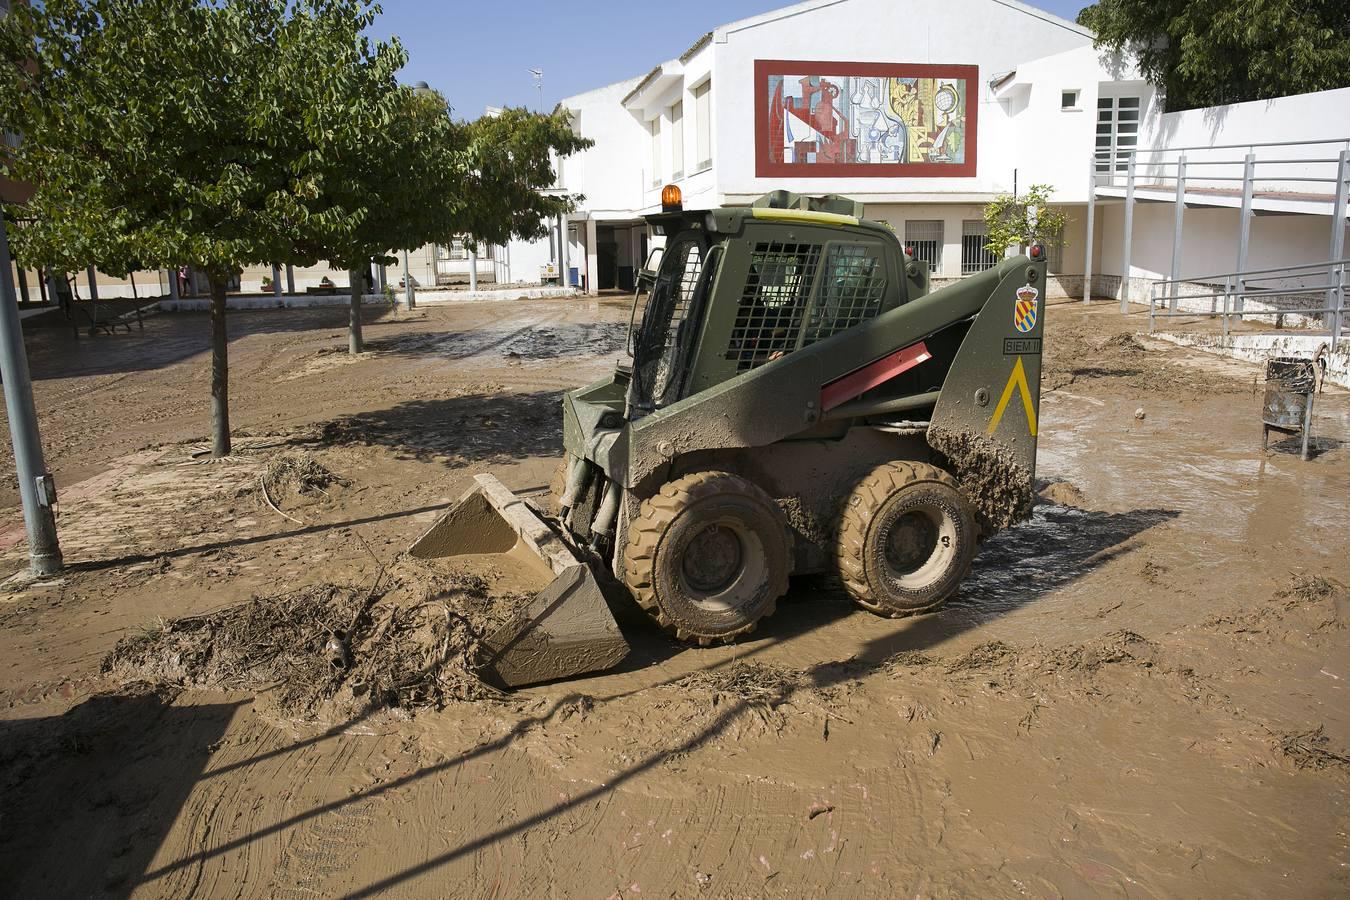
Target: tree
1014 221
1213 52
426 178
223 133
429 179
171 132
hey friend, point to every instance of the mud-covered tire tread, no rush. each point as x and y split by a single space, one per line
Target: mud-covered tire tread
873 491
656 515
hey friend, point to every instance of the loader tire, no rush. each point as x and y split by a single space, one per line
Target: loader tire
906 539
708 556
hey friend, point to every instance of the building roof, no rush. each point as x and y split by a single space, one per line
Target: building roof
796 9
721 32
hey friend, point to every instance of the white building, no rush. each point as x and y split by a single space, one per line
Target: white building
925 114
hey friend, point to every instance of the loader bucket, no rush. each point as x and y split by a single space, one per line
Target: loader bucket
567 628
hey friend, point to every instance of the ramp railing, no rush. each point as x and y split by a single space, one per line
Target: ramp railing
1270 292
1308 177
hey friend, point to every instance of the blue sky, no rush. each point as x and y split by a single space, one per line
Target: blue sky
479 53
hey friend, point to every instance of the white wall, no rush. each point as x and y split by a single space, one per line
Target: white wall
1209 243
1319 116
613 173
1051 145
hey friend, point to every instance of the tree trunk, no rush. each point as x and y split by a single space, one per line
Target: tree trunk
354 320
220 371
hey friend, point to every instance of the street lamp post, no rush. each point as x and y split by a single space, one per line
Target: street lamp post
37 489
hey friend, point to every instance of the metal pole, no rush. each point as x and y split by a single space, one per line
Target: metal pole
1338 317
23 285
1338 233
37 489
1245 225
1129 228
1176 232
93 283
1152 301
1091 216
409 295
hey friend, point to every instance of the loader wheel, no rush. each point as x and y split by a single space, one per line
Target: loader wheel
708 556
906 540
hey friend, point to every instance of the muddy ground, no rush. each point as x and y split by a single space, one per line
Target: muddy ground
1141 692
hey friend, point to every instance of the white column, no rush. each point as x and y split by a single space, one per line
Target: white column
592 258
564 258
1129 235
1244 229
1091 217
473 270
1177 225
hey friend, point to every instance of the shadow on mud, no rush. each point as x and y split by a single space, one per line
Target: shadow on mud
1059 545
1293 446
90 795
167 338
458 431
138 558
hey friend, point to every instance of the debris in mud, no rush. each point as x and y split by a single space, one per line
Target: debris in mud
911 659
1085 658
997 485
410 645
1060 493
299 471
264 641
983 656
1078 355
1310 750
1153 572
755 684
1122 342
1305 590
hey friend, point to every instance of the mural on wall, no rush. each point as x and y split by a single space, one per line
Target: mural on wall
864 119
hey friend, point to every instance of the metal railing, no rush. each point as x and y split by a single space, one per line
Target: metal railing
1238 287
1105 167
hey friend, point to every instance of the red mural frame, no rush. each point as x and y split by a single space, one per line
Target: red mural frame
765 168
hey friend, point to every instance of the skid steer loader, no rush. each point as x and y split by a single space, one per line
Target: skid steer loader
797 401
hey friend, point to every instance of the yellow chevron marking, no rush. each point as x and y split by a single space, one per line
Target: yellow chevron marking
1017 379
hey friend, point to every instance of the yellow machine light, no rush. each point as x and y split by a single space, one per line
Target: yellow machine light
671 200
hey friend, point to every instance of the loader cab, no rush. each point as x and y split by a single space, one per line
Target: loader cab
739 288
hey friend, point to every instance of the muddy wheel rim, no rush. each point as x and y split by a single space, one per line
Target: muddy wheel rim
712 559
911 540
915 545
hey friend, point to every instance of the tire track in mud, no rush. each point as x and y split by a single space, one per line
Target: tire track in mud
227 834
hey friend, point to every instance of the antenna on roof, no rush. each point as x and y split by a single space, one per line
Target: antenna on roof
538 74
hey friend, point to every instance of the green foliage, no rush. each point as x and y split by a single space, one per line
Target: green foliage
223 133
1212 52
510 163
1011 224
